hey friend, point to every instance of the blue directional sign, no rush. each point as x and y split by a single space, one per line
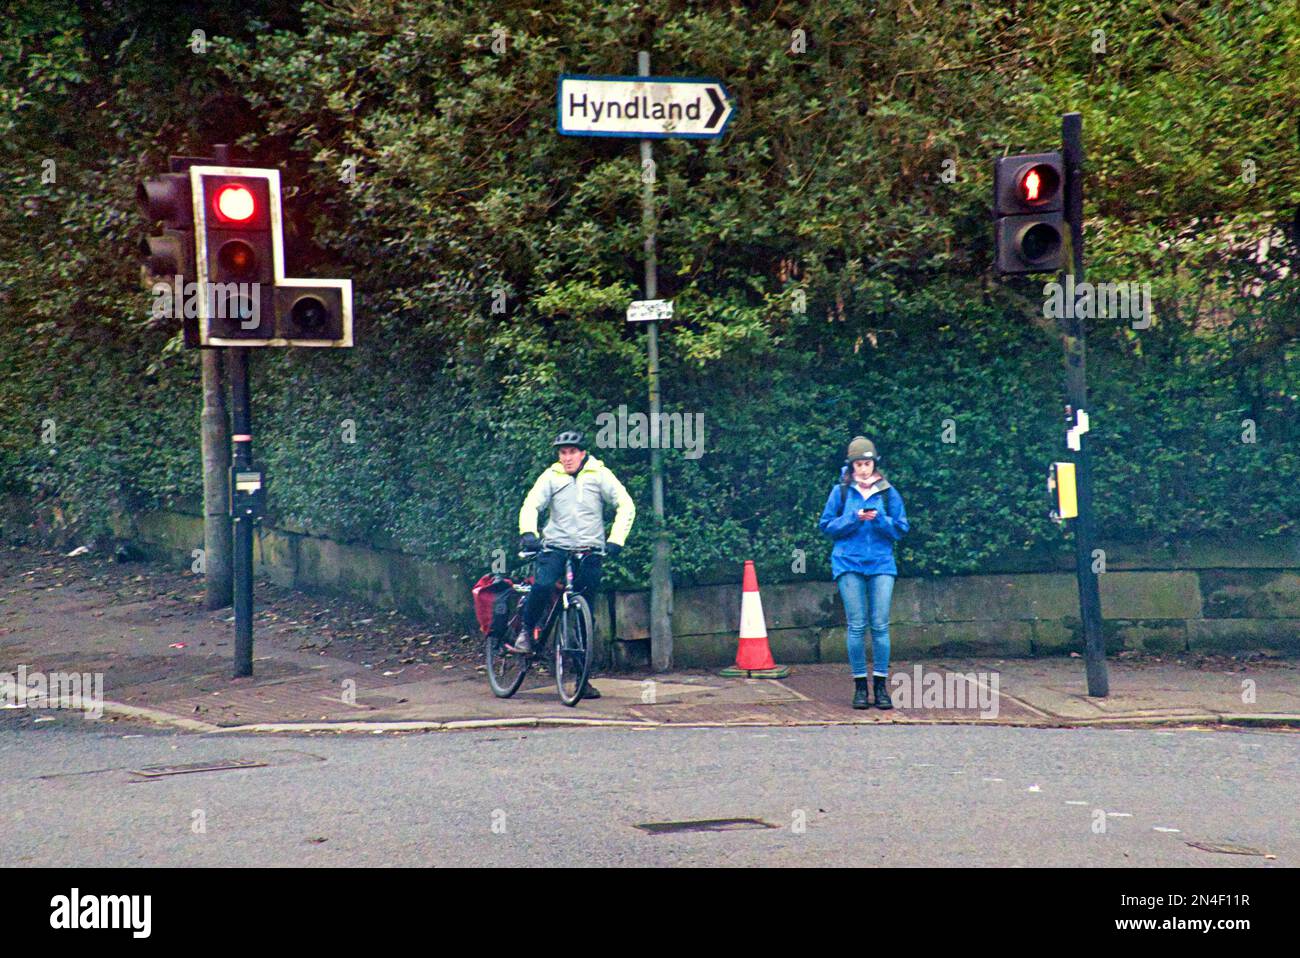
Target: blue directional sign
691 108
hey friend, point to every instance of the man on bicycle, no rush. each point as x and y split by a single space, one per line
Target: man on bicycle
576 488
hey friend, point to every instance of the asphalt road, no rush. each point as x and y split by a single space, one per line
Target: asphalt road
886 795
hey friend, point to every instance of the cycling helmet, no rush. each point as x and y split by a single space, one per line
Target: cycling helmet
570 437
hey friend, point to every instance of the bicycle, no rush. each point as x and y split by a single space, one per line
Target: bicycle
572 647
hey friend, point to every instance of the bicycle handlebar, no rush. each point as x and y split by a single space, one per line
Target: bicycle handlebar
581 552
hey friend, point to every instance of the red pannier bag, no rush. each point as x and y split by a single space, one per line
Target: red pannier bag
492 603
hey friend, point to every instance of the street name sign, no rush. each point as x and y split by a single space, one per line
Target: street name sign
644 310
642 107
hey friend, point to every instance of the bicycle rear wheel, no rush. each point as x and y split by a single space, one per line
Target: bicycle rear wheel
573 650
506 670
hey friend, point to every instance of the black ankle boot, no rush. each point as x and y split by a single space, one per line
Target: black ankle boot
860 694
883 701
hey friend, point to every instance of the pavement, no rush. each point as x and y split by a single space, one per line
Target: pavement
332 665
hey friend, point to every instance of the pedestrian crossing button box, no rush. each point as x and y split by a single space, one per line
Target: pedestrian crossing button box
247 491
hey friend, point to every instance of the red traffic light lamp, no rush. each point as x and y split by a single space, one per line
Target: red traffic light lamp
234 203
1039 185
1028 183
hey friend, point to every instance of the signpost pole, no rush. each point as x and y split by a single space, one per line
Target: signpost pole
661 582
648 108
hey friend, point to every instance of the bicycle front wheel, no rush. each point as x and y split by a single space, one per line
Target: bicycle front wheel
506 670
573 645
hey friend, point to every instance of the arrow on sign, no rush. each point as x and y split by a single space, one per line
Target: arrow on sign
642 107
718 106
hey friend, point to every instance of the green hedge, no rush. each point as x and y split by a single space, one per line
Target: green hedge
439 465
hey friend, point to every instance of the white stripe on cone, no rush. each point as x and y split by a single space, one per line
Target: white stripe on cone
752 624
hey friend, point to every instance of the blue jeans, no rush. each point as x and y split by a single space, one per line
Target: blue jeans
859 593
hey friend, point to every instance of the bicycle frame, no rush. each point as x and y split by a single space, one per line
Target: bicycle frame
562 600
571 646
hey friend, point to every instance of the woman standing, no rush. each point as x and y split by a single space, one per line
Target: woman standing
865 517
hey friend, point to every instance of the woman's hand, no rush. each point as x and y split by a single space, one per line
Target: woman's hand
868 514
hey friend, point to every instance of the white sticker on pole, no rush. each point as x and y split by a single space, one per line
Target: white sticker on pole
248 481
1078 429
644 310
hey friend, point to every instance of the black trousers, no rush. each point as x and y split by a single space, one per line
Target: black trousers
550 570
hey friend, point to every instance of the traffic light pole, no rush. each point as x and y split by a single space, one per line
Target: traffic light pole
661 581
242 438
1076 390
222 228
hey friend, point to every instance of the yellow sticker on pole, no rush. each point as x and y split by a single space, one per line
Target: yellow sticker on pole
1067 496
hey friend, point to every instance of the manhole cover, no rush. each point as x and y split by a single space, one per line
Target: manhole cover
704 825
217 765
1225 848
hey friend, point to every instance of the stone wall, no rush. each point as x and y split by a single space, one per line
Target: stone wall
382 577
386 578
1210 596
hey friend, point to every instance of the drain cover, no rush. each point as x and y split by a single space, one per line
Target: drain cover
216 765
1224 848
704 825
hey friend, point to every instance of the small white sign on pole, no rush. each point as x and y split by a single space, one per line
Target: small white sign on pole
644 310
1077 430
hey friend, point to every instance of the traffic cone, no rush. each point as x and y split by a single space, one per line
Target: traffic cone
753 656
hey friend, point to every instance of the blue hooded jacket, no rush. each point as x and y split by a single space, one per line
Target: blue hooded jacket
866 547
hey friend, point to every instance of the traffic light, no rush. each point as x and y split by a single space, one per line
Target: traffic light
241 255
314 312
222 250
169 258
166 198
237 222
1028 204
